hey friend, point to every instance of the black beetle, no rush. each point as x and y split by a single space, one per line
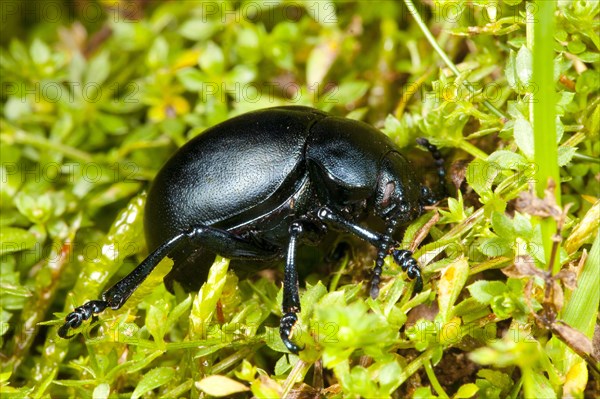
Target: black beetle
255 187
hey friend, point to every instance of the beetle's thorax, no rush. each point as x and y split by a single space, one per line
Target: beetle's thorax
396 197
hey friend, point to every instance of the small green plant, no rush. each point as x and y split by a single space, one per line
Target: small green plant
96 97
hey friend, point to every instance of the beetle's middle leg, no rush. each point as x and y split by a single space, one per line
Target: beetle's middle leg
383 242
291 299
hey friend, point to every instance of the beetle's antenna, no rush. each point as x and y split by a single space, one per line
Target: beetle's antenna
439 162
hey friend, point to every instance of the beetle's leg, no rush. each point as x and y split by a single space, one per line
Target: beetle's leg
221 241
384 247
79 315
291 298
230 245
382 242
116 296
428 197
328 216
404 259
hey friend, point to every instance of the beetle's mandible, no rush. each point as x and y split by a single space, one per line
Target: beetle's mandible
258 186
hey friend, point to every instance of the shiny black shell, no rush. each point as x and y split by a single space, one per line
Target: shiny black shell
255 173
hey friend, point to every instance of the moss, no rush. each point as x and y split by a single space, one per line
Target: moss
96 96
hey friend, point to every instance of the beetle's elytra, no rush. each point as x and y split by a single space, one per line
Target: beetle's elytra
258 186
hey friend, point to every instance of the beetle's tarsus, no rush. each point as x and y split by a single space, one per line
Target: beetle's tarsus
375 287
285 331
418 283
404 259
377 270
79 315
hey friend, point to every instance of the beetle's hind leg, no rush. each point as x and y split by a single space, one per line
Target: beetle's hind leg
118 294
79 315
221 241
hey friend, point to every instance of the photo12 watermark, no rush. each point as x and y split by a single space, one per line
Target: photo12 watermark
69 172
70 92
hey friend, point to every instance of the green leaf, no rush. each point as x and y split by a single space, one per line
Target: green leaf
212 59
153 379
19 53
97 71
523 133
456 208
507 159
576 46
503 306
510 72
589 57
522 226
247 371
319 62
199 29
102 391
481 175
248 44
205 304
587 82
179 310
466 391
40 52
496 378
524 66
16 108
37 209
285 363
63 127
312 295
158 53
156 318
565 154
452 281
495 246
484 291
581 311
594 123
242 75
349 92
503 226
537 385
424 393
388 377
336 298
112 124
15 239
192 79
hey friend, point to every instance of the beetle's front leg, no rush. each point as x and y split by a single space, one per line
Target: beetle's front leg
291 297
404 259
382 241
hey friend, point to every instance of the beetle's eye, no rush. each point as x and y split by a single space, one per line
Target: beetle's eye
387 194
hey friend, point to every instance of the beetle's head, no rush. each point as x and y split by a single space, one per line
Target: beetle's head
399 192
